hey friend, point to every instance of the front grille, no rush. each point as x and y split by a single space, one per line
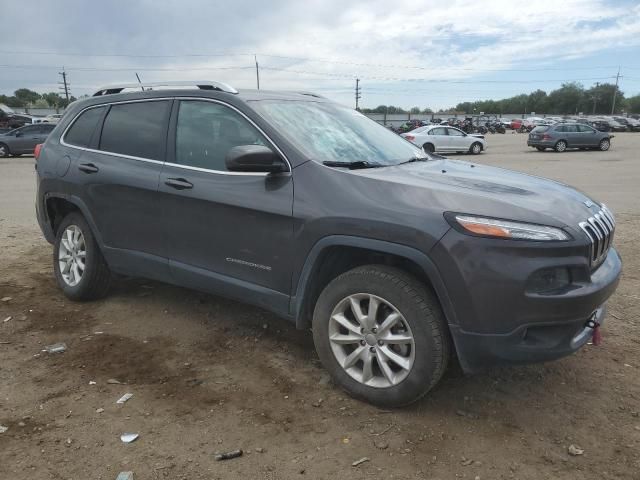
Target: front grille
599 229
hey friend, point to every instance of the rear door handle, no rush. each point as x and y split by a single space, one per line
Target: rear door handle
178 183
88 168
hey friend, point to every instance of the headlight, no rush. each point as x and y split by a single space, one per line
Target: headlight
493 227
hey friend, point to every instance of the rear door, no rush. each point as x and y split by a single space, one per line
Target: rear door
118 174
573 136
228 232
438 136
26 139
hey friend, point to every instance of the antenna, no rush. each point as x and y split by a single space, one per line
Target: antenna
140 81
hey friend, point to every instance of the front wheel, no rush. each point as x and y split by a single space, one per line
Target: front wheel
475 148
381 335
604 144
78 264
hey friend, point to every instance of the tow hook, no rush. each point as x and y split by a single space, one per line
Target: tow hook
596 338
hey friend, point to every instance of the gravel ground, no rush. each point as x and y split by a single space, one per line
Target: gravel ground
210 375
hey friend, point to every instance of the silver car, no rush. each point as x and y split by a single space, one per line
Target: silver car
438 138
23 140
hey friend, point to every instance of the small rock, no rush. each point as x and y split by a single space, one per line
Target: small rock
466 462
5 299
575 450
360 462
21 424
381 444
125 476
91 382
228 455
99 410
260 450
113 381
129 437
317 404
3 428
7 319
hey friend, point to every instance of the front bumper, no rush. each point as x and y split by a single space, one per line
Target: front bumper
499 321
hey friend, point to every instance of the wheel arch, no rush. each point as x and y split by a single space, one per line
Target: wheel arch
59 205
336 254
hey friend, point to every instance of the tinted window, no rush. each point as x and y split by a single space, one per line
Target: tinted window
585 128
30 130
82 129
561 128
454 132
206 131
571 128
46 129
136 129
542 129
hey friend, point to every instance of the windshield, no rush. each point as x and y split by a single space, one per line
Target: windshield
326 132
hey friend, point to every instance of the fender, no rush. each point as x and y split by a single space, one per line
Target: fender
77 201
412 254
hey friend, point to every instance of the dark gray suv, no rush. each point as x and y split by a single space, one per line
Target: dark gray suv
397 259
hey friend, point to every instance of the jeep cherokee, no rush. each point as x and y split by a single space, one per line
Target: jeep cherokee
396 259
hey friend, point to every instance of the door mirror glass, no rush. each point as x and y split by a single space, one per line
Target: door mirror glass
254 158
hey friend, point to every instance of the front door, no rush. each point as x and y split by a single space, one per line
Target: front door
26 139
457 140
440 139
228 232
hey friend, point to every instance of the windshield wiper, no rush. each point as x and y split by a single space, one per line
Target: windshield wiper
414 159
352 165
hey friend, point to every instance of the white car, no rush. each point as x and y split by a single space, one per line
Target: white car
53 118
435 138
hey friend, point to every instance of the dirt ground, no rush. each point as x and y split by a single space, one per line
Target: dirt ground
210 375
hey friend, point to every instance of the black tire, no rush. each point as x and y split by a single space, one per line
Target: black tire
604 144
96 277
4 150
540 149
560 146
475 148
422 313
429 148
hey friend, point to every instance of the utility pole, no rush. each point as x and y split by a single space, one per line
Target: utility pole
595 98
613 105
358 90
255 57
64 84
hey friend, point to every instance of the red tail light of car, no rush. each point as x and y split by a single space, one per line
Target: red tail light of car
546 136
37 151
410 137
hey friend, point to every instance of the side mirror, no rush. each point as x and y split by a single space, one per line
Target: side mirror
19 134
254 158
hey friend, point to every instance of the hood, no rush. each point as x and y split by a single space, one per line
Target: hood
465 187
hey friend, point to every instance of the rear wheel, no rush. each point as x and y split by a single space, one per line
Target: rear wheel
560 146
604 144
381 335
79 266
475 148
429 148
4 150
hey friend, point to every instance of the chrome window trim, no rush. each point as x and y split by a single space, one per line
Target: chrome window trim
186 167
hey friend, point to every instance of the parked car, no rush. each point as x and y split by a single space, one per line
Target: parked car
23 140
614 126
53 118
395 258
630 123
437 138
599 125
562 136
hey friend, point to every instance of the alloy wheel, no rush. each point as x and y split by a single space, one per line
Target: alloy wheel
72 255
371 340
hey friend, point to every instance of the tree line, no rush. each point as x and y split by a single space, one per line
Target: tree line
571 98
23 97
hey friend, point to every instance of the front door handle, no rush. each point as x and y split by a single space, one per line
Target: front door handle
178 183
88 168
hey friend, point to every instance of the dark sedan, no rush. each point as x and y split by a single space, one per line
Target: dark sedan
23 140
568 135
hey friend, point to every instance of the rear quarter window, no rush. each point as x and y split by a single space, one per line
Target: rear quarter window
540 129
83 127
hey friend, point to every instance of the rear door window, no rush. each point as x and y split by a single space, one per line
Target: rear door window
585 129
82 129
540 129
136 129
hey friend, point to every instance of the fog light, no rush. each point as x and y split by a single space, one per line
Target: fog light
549 280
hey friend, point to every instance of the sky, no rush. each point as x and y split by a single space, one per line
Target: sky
406 53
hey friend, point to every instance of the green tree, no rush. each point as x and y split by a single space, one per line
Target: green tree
414 110
600 97
26 96
633 104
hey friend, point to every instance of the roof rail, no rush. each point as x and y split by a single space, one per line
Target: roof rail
202 85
